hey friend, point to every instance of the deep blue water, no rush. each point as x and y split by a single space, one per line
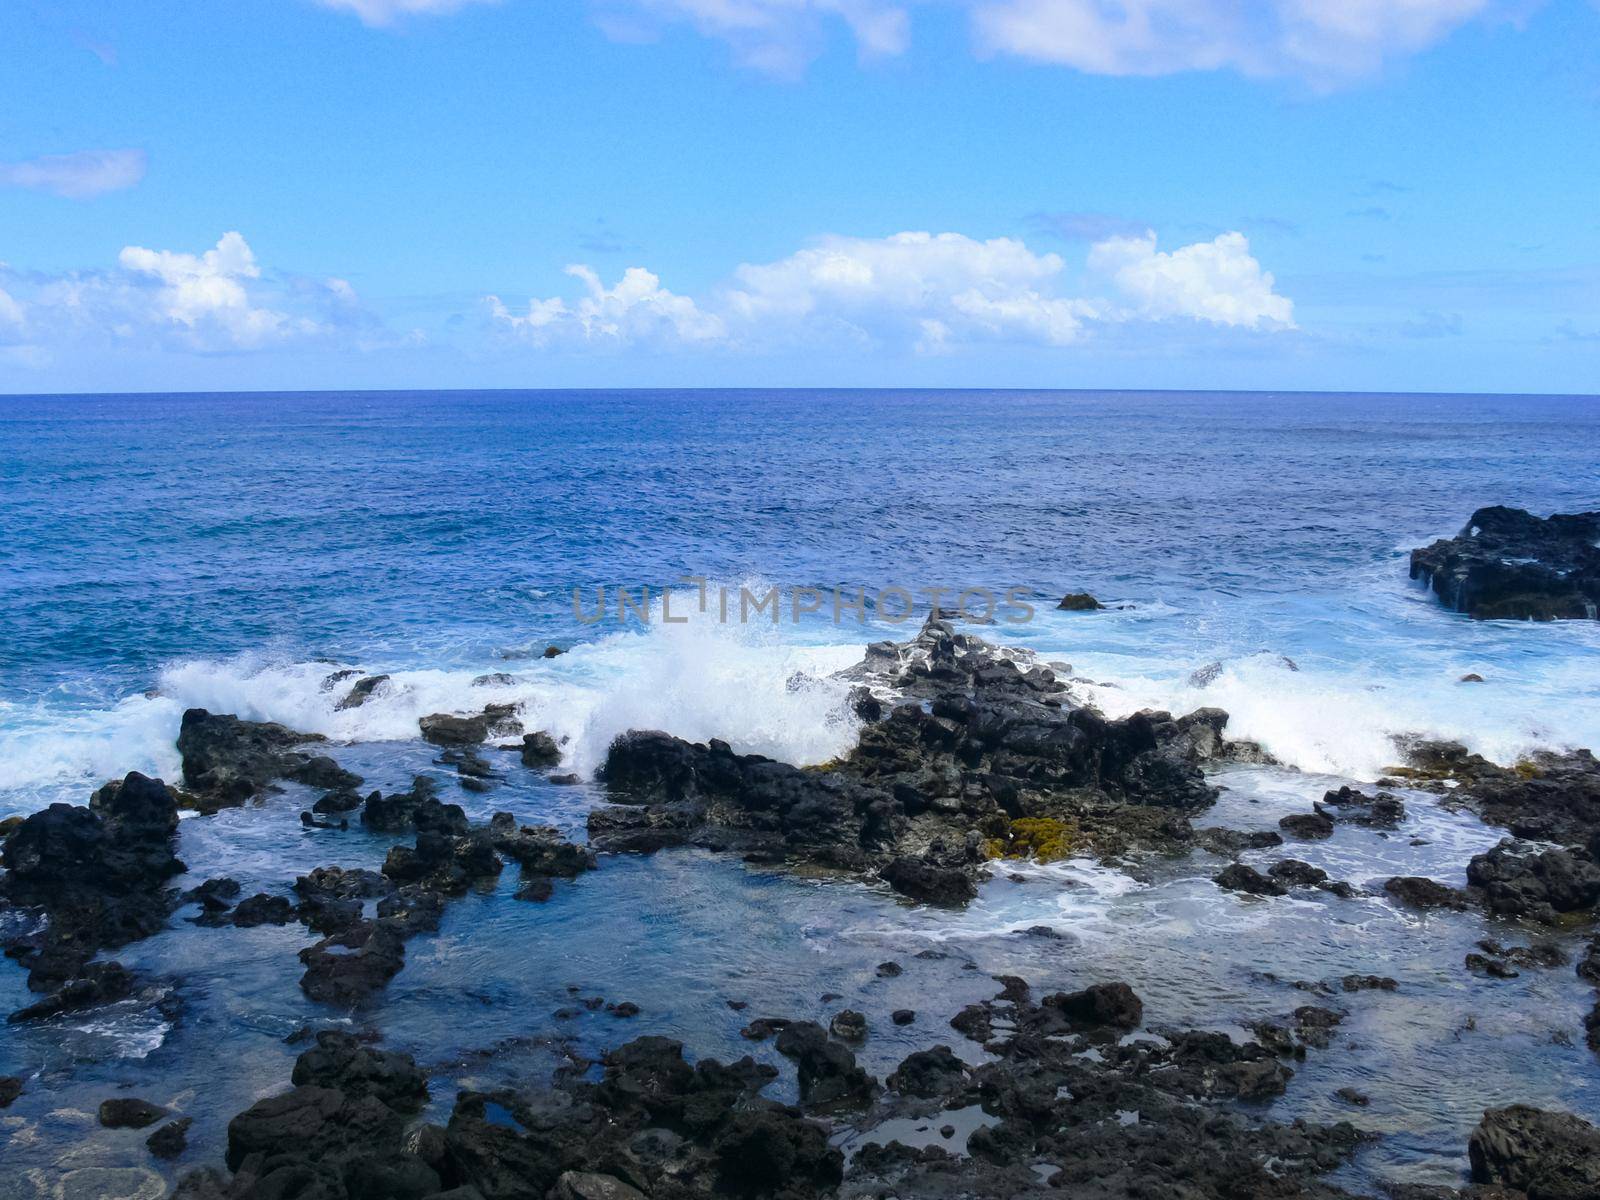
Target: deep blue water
232 551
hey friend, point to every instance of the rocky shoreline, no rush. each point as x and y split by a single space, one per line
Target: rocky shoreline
970 756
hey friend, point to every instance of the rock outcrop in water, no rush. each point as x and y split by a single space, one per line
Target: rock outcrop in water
1071 1105
98 876
226 761
653 1125
1508 563
973 746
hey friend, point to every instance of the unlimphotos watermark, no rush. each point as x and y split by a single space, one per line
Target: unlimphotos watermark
893 604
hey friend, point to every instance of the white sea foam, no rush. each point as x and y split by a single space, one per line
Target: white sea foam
763 690
1345 722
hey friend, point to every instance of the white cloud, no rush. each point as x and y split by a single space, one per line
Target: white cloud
206 294
776 36
216 301
387 12
1325 41
638 310
11 314
1216 281
924 291
77 176
947 287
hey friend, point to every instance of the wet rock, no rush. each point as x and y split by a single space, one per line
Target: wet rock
1507 563
567 780
903 1016
829 1076
541 852
1363 983
1295 873
10 1089
1079 602
540 750
343 801
97 873
129 1113
890 970
1382 811
1312 826
1239 878
933 790
1420 892
849 1026
1493 967
397 813
171 1140
361 692
226 761
929 882
444 729
96 984
262 909
347 968
1112 1005
1351 1095
1547 1155
1538 886
929 1073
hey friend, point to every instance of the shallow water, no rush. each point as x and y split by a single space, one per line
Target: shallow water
221 551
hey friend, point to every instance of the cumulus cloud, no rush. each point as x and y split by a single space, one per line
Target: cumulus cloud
387 12
637 310
923 291
77 176
946 287
1216 281
215 301
1324 42
776 36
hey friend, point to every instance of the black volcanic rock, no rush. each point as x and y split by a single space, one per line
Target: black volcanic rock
1547 1155
226 760
99 875
981 755
1508 563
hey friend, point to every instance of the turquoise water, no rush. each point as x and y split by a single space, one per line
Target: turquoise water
232 551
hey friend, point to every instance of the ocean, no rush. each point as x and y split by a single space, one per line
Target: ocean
221 550
235 551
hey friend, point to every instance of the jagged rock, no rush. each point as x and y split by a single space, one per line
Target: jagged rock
97 873
226 761
829 1076
1508 563
1547 1155
1535 885
361 692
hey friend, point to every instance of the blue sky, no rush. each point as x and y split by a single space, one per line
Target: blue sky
1282 194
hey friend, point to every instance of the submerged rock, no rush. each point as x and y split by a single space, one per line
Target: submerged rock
129 1113
1508 563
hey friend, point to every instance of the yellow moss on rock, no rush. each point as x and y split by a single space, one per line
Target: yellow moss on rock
1044 839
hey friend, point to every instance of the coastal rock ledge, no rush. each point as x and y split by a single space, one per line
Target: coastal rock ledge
1510 564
